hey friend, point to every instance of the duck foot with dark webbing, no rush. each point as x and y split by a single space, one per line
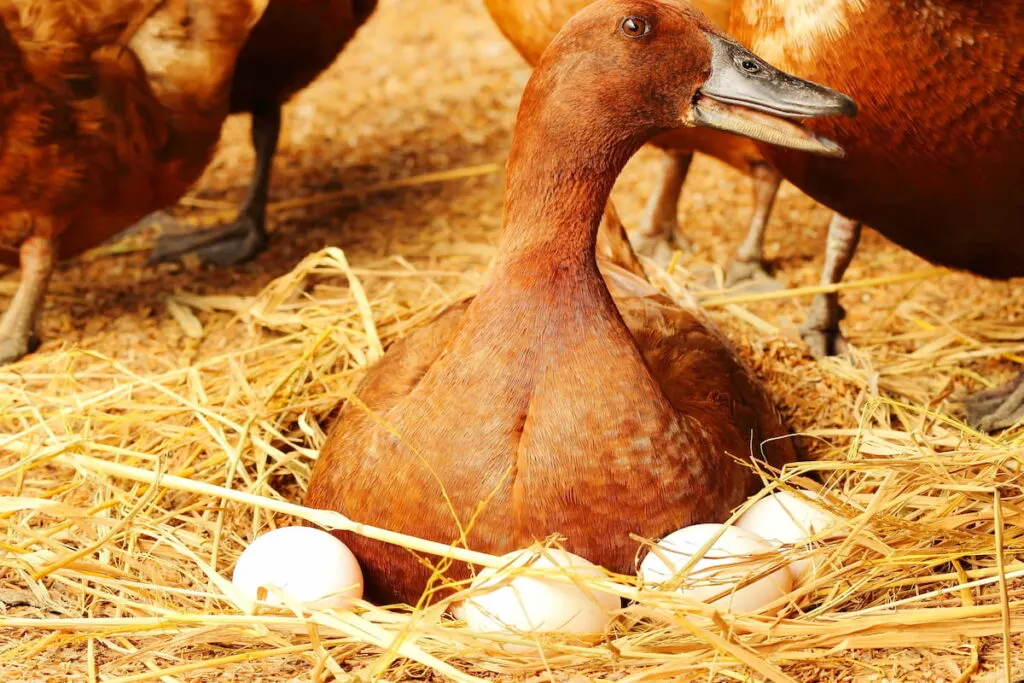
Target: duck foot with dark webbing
997 408
245 237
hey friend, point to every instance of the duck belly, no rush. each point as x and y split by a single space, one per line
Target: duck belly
498 464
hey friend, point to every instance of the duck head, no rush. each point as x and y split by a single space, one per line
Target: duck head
660 64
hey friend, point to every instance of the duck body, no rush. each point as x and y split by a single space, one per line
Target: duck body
935 157
934 160
530 25
95 136
293 42
622 416
567 397
291 45
108 110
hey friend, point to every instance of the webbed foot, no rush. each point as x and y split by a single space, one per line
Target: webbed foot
997 408
751 276
227 245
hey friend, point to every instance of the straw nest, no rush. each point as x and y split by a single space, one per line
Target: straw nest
140 455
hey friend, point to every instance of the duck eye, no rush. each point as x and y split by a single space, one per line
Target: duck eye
634 27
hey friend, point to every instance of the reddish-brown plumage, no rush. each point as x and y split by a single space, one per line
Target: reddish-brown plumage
554 402
109 109
935 158
531 24
293 42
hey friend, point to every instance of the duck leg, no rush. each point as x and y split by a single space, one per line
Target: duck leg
19 328
658 233
821 328
997 408
246 236
748 265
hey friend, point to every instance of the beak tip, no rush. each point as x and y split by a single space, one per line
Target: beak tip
831 148
847 106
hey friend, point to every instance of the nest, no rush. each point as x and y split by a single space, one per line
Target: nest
157 434
131 495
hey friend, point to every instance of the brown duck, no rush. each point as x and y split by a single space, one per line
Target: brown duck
109 110
567 398
531 24
935 158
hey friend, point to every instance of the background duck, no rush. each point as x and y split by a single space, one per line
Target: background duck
934 160
550 402
109 109
294 41
531 24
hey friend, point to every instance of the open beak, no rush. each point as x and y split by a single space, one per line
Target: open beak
746 96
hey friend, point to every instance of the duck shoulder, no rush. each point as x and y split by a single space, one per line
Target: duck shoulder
696 365
398 372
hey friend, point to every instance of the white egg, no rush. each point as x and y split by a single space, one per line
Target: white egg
511 603
785 518
735 557
309 564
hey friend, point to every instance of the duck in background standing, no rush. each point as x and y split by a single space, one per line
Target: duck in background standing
293 43
935 158
109 110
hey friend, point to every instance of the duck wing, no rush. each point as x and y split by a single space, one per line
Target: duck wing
698 368
398 372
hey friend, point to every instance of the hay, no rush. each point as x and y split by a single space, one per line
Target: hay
173 415
131 495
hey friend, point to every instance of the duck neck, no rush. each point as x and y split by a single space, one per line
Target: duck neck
561 169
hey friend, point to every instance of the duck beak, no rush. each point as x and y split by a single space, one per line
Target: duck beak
746 96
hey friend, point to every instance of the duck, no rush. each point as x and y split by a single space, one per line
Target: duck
108 110
934 160
291 45
529 25
571 397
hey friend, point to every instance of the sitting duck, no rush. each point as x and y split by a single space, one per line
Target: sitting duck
569 397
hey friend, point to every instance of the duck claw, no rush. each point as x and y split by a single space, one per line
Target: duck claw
751 276
997 408
228 245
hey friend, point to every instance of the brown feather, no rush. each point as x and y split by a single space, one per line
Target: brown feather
550 404
935 156
93 136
